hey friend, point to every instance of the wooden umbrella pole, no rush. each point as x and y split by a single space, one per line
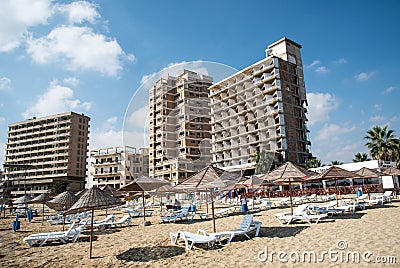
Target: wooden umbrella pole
161 203
63 221
43 214
290 194
206 203
144 208
212 210
91 235
337 199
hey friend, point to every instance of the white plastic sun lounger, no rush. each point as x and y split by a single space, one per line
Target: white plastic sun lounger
182 214
246 227
124 220
71 234
201 237
300 213
265 204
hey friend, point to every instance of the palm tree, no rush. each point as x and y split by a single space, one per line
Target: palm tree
314 163
361 157
335 162
382 143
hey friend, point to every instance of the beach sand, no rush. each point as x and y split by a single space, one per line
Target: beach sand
374 231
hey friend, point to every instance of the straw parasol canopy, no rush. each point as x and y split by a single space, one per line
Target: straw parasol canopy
144 184
392 171
22 200
111 190
289 173
62 201
206 180
368 173
335 172
94 198
41 199
80 193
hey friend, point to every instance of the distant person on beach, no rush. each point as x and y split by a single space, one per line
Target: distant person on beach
177 204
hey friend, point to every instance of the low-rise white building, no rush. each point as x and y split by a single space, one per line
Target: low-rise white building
117 166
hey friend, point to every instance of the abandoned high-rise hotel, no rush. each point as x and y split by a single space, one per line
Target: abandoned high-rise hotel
260 108
47 150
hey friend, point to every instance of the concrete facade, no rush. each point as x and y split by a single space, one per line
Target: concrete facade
262 108
179 126
117 166
53 150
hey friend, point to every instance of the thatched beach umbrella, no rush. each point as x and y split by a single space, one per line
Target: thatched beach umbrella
22 200
62 201
41 199
111 191
208 179
335 173
80 193
391 171
289 173
92 199
144 184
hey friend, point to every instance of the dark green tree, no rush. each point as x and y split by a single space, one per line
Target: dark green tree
383 144
361 157
314 163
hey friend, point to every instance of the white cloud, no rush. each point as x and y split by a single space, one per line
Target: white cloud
2 121
363 76
57 99
173 69
314 63
80 11
377 118
320 105
332 131
73 81
137 119
105 138
17 17
321 69
109 124
389 89
78 48
5 83
377 107
340 61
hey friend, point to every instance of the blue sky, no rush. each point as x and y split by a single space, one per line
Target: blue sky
91 57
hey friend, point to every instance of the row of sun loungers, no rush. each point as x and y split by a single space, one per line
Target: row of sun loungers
182 214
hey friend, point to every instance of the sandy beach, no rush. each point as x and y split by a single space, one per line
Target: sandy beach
371 233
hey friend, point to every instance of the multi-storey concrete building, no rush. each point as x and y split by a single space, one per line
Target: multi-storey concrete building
262 108
117 166
43 151
179 126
